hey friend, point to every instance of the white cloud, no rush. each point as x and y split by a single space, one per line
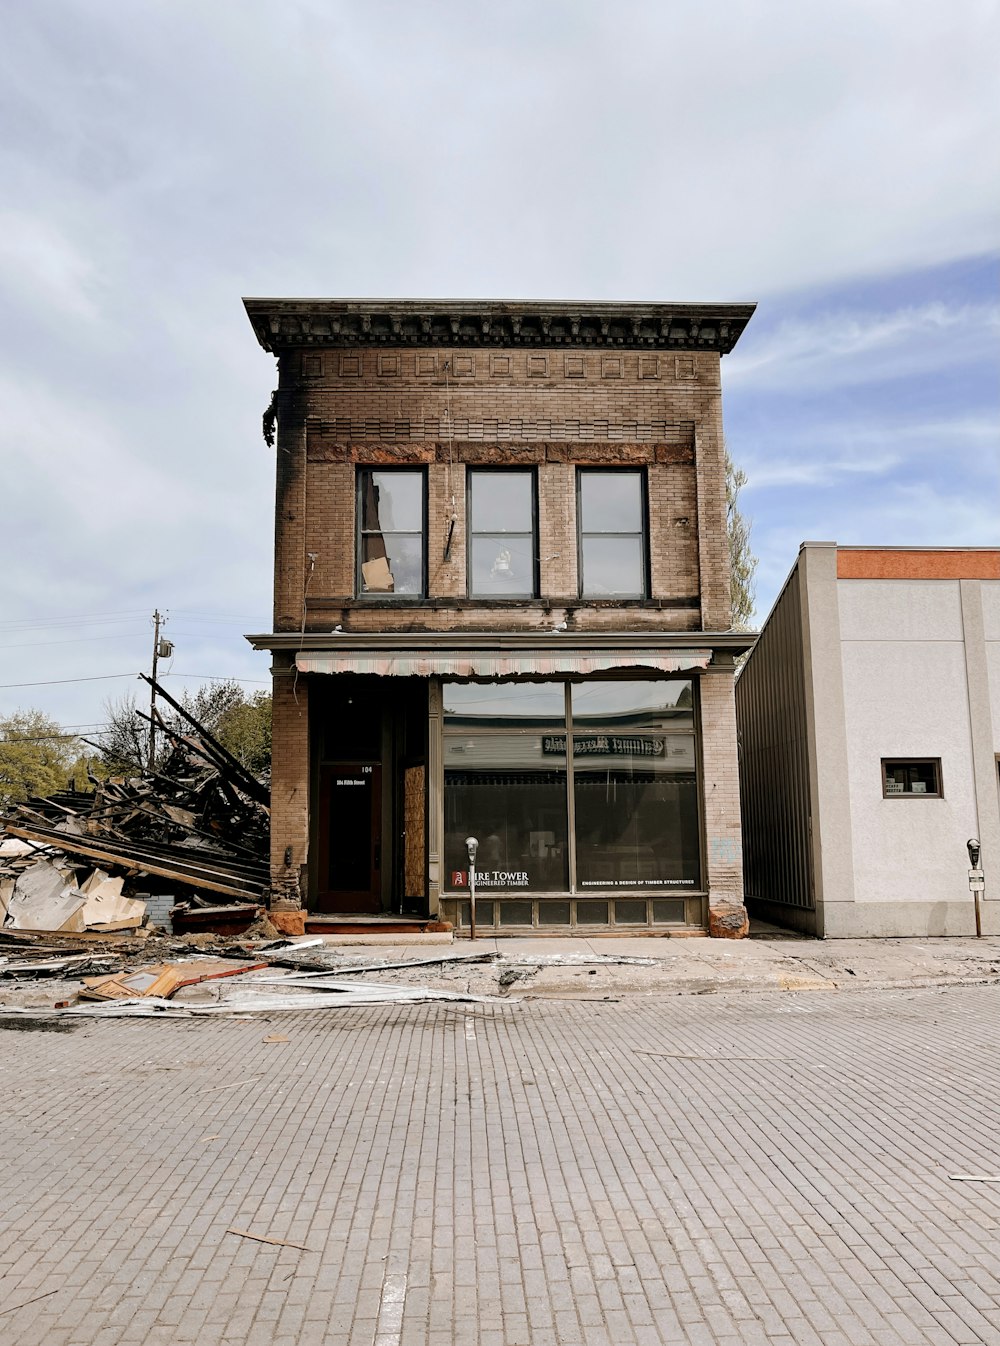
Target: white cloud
839 349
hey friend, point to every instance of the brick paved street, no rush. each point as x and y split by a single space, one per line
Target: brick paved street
759 1168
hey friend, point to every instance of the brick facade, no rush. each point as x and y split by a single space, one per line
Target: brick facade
446 407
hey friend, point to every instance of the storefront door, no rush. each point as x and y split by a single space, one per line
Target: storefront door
350 837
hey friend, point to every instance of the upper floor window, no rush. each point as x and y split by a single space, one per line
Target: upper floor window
502 534
612 523
391 549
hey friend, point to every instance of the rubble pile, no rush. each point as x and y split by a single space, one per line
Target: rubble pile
200 822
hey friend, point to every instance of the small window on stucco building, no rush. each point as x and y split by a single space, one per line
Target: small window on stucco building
906 776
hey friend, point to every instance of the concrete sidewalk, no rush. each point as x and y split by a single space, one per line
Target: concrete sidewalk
580 967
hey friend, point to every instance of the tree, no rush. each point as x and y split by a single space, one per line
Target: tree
36 756
742 562
245 729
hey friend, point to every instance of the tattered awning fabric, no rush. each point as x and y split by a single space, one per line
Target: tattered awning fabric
472 664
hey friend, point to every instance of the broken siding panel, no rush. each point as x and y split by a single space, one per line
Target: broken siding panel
774 759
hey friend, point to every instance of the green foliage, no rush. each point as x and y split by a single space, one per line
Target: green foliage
742 562
36 756
245 729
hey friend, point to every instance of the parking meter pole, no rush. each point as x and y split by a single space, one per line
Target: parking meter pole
472 846
472 901
976 880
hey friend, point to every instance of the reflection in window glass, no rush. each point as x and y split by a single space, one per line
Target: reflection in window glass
506 702
392 532
501 534
612 551
657 704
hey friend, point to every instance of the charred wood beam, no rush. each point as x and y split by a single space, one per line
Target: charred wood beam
248 783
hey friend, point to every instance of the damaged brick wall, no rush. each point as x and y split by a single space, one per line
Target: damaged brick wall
447 410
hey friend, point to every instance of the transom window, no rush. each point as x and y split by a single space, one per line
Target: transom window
911 776
612 515
502 534
392 519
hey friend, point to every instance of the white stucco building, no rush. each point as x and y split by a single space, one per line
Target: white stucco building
869 739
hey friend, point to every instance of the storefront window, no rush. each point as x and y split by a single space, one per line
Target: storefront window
501 786
634 782
635 787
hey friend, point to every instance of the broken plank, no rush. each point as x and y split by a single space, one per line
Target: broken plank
97 852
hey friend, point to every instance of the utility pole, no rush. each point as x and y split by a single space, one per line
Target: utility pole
158 621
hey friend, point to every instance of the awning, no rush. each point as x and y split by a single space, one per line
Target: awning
471 664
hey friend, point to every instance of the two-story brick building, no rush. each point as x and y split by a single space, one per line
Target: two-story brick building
501 609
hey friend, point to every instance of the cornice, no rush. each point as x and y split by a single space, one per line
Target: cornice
293 324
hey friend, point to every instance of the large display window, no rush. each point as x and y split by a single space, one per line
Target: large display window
577 787
503 788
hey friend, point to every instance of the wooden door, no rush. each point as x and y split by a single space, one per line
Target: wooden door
350 838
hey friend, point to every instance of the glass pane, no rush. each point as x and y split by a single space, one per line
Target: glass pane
510 705
503 563
507 787
592 913
519 819
612 567
505 790
514 913
636 811
669 909
501 502
635 705
911 778
630 913
553 913
393 502
392 563
611 502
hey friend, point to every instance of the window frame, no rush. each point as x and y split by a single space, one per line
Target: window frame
470 533
643 535
935 762
360 533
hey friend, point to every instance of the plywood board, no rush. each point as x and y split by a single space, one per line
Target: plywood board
414 867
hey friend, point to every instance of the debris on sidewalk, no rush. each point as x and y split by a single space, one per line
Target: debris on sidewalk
201 821
267 999
162 980
48 897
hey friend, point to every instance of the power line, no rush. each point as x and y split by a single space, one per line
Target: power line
52 682
209 677
76 620
77 640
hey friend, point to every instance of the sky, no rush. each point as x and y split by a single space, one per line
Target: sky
839 164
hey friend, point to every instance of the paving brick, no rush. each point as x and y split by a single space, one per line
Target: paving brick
625 1199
